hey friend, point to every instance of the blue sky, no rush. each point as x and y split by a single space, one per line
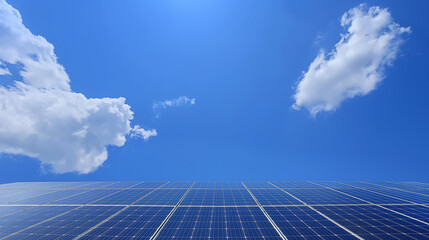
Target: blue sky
241 61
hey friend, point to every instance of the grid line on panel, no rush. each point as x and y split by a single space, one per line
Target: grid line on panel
46 220
158 230
266 214
389 195
49 219
372 222
330 219
115 214
380 206
401 189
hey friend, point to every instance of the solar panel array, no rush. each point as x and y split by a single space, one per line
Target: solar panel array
214 210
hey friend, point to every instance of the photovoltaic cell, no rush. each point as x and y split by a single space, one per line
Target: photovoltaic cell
121 185
362 185
416 211
126 196
274 197
177 185
409 196
49 197
97 185
372 222
162 197
213 210
7 210
218 223
87 197
334 185
258 185
322 196
24 194
132 223
219 185
13 223
304 223
218 197
371 196
296 185
68 225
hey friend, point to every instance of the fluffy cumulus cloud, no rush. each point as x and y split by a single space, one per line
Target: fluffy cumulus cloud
158 107
356 65
41 117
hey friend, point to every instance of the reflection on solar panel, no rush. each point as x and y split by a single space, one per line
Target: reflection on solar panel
214 210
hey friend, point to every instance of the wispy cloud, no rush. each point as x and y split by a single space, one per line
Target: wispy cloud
42 117
357 63
158 107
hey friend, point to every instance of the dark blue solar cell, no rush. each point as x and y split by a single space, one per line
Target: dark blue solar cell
126 196
323 196
162 197
304 223
274 197
371 196
149 185
131 223
121 185
70 224
218 223
373 222
7 210
259 185
213 197
220 185
404 195
87 197
416 211
296 185
18 221
22 194
50 197
178 185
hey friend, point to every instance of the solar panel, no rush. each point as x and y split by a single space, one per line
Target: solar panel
149 185
373 222
371 196
304 223
220 197
13 223
177 185
416 211
49 197
274 197
69 225
296 185
132 223
258 185
124 197
323 196
162 197
218 223
23 194
219 185
214 210
87 197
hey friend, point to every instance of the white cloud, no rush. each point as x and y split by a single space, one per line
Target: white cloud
158 107
357 63
137 131
42 117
